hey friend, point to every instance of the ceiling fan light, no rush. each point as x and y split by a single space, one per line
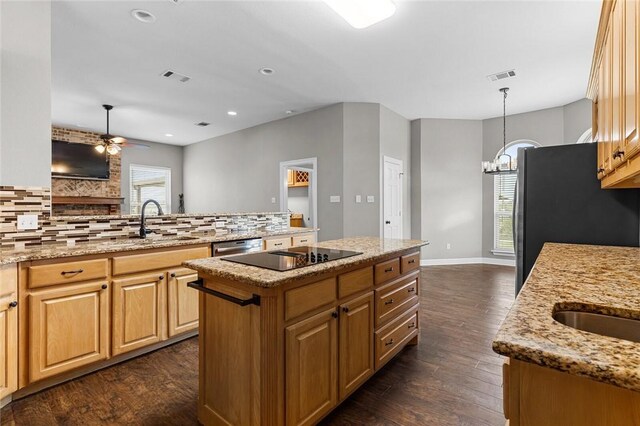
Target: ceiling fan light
362 13
113 149
100 148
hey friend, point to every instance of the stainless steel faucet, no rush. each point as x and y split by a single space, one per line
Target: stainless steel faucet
143 229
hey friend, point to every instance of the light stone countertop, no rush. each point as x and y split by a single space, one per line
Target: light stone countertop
52 251
372 248
597 279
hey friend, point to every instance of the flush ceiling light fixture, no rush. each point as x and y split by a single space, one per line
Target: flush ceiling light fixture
266 71
169 135
232 113
362 13
503 164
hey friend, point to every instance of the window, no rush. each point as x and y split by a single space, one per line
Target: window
150 182
504 193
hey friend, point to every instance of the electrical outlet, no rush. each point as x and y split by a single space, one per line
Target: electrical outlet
273 200
371 199
334 199
28 221
448 246
358 198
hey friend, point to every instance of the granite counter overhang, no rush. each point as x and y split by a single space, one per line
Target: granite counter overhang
598 279
372 249
54 251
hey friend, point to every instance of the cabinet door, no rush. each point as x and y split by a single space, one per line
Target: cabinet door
8 346
630 35
138 312
311 367
616 48
356 343
607 102
182 302
68 328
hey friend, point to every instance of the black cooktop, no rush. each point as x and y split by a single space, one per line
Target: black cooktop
292 258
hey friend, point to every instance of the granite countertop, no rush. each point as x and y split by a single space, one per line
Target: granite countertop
52 251
596 279
372 248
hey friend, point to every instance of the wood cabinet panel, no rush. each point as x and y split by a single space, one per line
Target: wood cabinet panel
182 302
355 281
630 75
392 337
386 271
409 263
136 263
8 280
396 297
138 314
311 368
617 149
307 298
8 346
68 328
67 272
356 343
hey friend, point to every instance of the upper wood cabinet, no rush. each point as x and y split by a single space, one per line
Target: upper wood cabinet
297 178
613 87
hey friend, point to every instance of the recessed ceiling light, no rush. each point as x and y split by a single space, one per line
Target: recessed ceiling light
168 135
362 13
232 113
289 111
143 16
266 71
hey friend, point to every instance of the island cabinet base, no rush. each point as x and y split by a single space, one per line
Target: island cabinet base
289 354
541 396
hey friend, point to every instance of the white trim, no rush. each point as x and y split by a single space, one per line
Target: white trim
313 186
467 261
503 253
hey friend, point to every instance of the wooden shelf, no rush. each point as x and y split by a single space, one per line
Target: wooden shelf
103 201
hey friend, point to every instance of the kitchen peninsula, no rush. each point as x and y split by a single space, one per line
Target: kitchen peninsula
287 347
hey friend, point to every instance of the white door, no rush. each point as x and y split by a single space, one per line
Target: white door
392 201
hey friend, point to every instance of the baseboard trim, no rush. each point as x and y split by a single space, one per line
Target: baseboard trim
467 261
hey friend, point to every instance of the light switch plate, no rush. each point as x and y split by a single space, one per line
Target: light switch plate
28 221
273 200
371 199
358 198
334 199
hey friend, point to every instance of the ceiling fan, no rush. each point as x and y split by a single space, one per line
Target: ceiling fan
114 144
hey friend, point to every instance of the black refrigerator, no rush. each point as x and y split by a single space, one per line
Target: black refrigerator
558 199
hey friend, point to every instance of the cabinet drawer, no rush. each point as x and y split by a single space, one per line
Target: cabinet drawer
277 243
391 338
410 262
386 271
303 240
396 297
159 260
354 282
309 297
67 272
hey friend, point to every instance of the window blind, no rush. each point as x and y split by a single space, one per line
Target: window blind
148 182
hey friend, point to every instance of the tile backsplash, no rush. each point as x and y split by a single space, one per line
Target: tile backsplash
16 201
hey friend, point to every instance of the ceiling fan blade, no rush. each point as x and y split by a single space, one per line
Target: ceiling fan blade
118 139
135 145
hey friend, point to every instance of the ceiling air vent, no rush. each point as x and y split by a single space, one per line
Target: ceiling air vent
202 124
502 75
172 75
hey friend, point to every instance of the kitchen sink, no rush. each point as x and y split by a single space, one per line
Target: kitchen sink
605 325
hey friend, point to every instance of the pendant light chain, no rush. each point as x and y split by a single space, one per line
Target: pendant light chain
497 166
504 120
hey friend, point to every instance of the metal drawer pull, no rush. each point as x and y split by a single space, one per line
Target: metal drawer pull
389 269
77 271
412 325
411 261
199 285
390 342
411 290
277 244
303 241
388 302
13 304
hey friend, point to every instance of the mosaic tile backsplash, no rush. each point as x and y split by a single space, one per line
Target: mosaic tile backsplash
16 201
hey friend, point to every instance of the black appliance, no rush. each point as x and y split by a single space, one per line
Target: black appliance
559 199
78 161
292 258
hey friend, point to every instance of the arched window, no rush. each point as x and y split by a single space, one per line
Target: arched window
503 199
587 137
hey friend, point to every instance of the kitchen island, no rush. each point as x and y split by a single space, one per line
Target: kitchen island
287 347
583 373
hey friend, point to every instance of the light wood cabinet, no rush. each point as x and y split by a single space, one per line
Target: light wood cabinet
138 314
68 328
8 346
296 178
630 34
277 243
182 302
312 366
356 346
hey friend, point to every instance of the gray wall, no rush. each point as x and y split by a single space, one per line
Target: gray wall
240 171
361 169
157 154
577 119
450 187
395 142
25 84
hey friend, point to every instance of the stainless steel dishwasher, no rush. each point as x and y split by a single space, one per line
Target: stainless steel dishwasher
236 247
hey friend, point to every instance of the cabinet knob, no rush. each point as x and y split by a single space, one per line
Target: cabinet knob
173 275
161 277
345 309
104 286
600 170
13 304
334 314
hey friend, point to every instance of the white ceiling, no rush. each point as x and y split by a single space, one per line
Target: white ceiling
430 60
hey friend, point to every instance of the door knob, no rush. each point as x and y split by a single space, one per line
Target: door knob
387 222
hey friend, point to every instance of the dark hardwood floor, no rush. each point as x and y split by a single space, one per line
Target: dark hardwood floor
451 378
